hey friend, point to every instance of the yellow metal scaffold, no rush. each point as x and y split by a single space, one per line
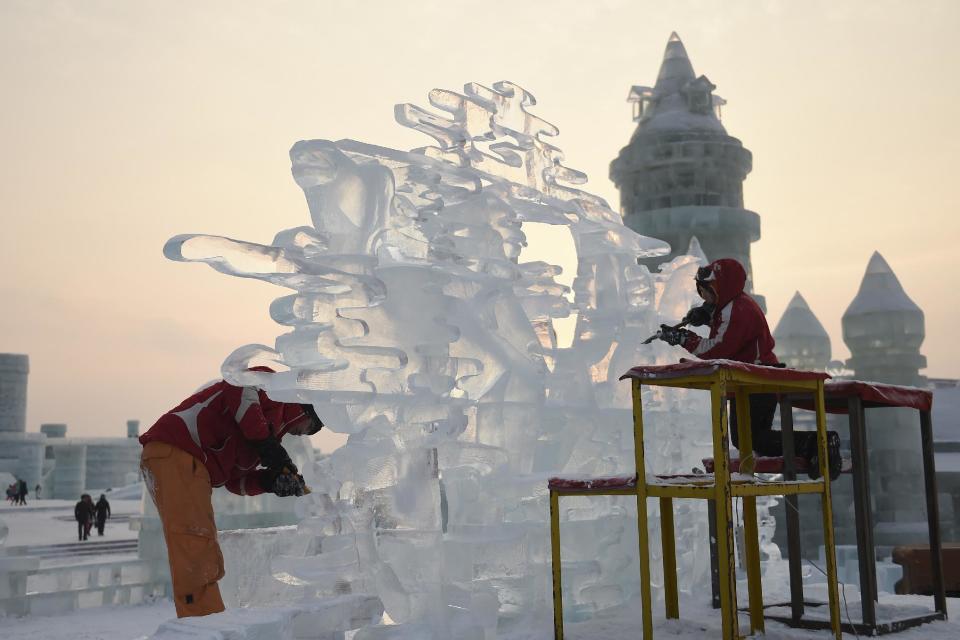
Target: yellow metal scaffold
722 379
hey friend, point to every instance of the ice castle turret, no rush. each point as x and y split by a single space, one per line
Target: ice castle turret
21 453
802 342
682 175
884 328
14 369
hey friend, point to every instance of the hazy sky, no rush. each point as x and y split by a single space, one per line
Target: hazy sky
125 123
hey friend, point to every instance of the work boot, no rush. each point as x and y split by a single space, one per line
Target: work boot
834 460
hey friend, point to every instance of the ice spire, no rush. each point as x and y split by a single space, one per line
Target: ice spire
799 320
802 342
681 171
884 329
679 100
694 249
880 291
676 70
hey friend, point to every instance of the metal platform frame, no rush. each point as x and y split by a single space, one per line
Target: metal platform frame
720 490
866 551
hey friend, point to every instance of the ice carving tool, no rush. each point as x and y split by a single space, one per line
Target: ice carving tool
659 333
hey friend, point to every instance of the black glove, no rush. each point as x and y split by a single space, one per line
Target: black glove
699 316
282 483
273 456
285 484
673 335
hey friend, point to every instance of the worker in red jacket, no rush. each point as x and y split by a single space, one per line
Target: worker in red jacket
221 436
739 331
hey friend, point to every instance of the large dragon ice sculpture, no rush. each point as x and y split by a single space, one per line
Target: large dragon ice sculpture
415 328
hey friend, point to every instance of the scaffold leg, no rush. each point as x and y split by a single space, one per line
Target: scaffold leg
826 508
671 596
724 509
642 532
555 558
751 537
645 596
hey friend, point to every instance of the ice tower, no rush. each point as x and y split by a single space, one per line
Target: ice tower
21 453
802 342
681 175
884 328
14 369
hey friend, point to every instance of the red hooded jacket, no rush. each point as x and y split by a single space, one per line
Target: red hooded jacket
216 424
739 329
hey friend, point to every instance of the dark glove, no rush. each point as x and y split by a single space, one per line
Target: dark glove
699 316
673 335
272 455
285 484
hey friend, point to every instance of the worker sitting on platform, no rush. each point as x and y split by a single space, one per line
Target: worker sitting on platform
739 331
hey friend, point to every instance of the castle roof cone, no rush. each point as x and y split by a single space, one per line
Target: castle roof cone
676 69
880 291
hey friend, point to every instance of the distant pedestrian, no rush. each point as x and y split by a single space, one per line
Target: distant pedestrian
84 513
22 493
36 492
103 512
92 510
12 493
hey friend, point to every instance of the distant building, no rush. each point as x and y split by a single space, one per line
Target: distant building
75 465
681 176
63 467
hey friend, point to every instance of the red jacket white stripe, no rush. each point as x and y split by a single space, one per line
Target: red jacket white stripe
738 330
216 425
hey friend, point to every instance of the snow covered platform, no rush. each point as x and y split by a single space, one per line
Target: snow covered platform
575 484
690 485
774 464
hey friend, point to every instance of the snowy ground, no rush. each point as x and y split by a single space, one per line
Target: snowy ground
105 623
697 622
43 522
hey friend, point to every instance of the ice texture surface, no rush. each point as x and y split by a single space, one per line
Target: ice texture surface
415 327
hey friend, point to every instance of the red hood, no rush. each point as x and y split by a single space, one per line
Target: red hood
728 279
280 415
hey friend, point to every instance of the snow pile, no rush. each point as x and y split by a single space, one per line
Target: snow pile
416 328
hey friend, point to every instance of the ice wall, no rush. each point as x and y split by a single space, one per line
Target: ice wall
414 327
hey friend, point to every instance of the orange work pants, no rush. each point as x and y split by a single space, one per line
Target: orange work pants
180 487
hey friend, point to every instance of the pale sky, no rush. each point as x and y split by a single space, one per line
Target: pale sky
125 123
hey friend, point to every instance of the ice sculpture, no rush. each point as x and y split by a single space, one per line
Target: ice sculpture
416 329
